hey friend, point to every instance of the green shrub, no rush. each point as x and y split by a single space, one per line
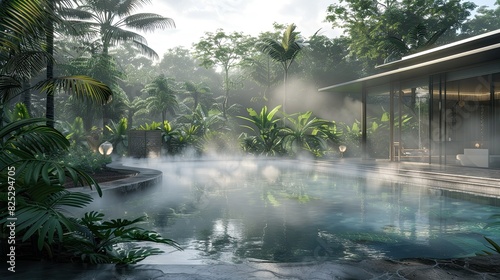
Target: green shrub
84 159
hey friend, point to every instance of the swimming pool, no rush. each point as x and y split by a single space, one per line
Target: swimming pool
293 211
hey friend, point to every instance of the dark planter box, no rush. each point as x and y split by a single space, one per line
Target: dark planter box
144 143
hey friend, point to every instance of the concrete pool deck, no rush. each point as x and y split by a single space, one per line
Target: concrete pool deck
472 180
475 268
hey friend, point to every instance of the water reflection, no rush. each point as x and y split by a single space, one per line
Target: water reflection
278 211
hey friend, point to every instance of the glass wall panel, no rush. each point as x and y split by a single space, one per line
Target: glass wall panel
436 119
378 128
467 112
413 119
495 124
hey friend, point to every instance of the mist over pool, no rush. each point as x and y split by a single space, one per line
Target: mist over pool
300 211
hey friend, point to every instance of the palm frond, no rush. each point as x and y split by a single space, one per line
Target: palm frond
9 88
289 36
272 48
26 64
146 50
115 35
124 8
148 22
83 87
19 19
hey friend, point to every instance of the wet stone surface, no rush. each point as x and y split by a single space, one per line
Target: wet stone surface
468 268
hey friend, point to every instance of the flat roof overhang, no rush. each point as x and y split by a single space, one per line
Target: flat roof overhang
468 59
472 43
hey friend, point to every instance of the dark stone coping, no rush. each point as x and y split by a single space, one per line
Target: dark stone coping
483 268
143 179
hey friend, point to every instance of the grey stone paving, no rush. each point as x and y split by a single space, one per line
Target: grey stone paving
473 268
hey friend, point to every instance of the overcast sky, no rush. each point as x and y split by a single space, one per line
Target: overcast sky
194 17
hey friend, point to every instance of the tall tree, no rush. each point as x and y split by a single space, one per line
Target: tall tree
284 52
370 23
49 42
484 20
24 28
181 65
196 92
162 96
328 61
226 51
260 67
111 23
21 54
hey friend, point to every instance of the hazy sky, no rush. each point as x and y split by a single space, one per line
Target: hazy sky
194 18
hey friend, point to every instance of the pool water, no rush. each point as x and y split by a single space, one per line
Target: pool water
291 211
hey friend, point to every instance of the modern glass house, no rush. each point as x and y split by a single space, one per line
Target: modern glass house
440 106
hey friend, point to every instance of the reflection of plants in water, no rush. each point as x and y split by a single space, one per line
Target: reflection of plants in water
200 195
289 186
219 239
197 201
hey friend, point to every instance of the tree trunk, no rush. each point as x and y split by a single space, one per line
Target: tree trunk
49 37
226 99
284 93
27 95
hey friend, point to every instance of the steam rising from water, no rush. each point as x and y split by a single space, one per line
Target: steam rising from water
289 210
303 97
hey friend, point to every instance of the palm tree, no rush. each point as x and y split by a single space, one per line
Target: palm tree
23 25
162 96
284 52
135 108
112 21
196 91
20 50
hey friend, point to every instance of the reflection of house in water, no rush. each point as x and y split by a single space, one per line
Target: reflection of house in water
443 105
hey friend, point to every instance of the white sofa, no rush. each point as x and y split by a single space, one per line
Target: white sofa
474 157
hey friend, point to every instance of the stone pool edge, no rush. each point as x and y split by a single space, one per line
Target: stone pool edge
469 268
144 178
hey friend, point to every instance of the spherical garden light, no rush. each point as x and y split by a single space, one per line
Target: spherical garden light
106 148
342 149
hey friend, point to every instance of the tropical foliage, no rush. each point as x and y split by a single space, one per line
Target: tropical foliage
162 96
24 26
99 241
266 139
493 247
226 51
36 167
68 59
118 135
111 22
284 52
39 180
377 28
309 134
